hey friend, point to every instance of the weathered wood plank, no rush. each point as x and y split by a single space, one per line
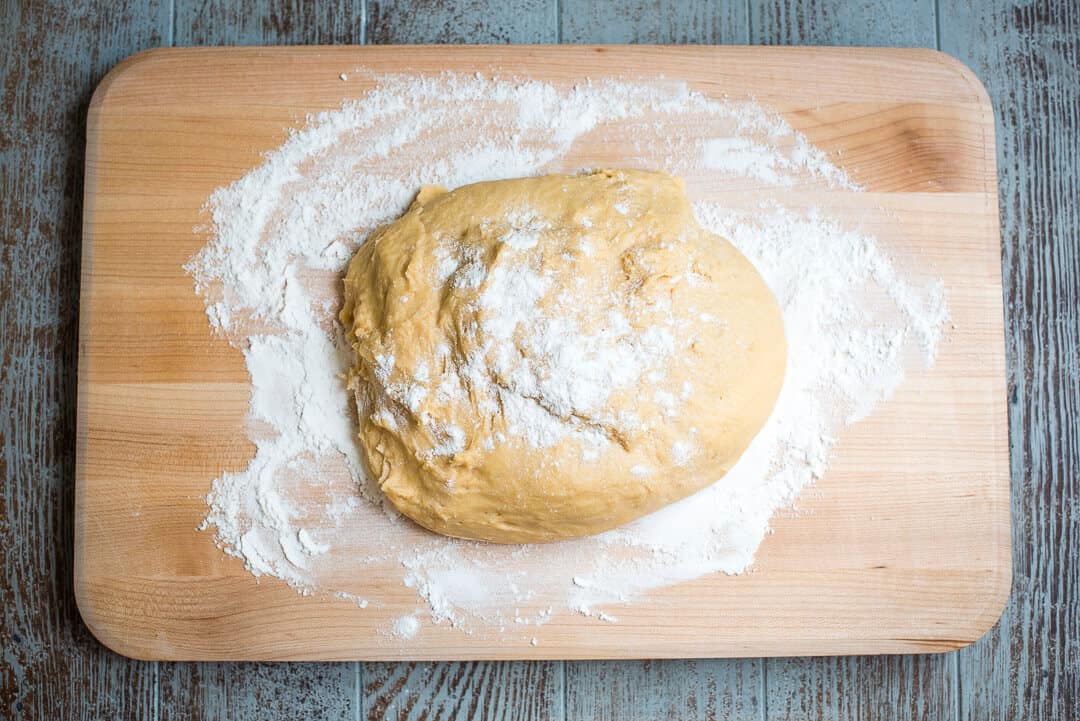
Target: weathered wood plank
909 23
1027 54
629 690
54 54
467 21
647 690
861 687
517 691
257 691
268 22
653 21
853 687
477 689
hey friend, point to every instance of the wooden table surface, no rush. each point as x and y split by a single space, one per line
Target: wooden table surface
1028 667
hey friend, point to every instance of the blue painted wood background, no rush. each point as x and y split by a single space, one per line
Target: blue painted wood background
52 53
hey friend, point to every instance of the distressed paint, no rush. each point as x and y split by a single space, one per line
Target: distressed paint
1025 668
861 687
465 21
899 23
268 22
257 691
654 21
53 56
649 690
1028 55
513 690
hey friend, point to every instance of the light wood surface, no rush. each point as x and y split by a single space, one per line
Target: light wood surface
903 547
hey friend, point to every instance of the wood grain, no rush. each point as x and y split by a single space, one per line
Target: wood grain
861 687
854 686
647 690
628 690
257 691
54 54
466 21
910 23
268 22
674 22
160 414
448 688
1029 55
517 690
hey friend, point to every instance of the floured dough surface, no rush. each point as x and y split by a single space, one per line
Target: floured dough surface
551 357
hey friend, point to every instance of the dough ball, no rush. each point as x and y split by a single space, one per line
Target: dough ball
551 357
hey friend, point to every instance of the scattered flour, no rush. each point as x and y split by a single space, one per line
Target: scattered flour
556 374
280 236
406 627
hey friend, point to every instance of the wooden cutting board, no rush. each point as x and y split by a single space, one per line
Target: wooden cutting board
903 547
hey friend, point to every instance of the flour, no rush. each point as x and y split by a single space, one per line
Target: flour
279 237
547 376
561 373
406 627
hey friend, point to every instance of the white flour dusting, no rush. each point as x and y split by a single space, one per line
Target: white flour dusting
280 237
406 627
556 375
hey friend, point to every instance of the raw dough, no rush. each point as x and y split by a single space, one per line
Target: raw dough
551 357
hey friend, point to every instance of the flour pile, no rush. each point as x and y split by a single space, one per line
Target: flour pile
281 235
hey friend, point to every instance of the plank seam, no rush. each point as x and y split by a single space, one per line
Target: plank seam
172 23
358 689
363 22
958 706
764 688
565 691
937 25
